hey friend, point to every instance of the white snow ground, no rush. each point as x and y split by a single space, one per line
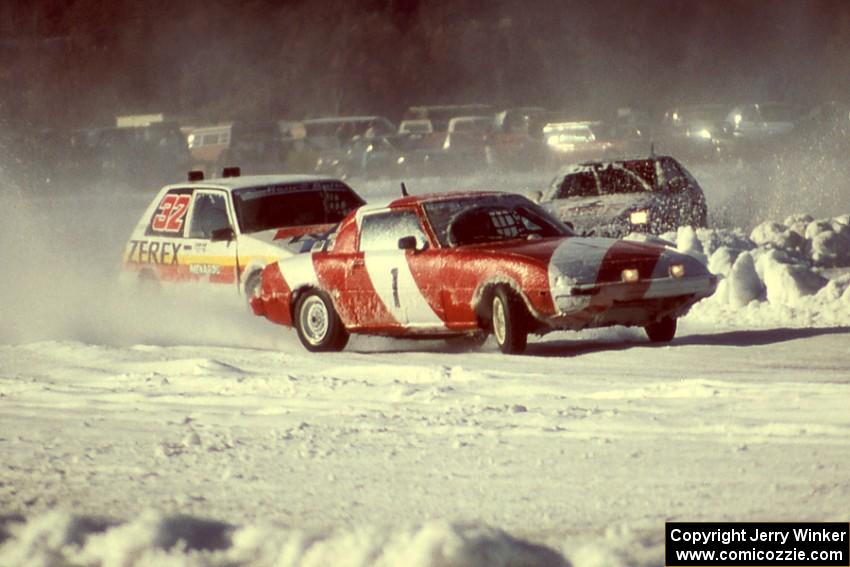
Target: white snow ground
191 433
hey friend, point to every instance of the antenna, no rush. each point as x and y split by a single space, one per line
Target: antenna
404 192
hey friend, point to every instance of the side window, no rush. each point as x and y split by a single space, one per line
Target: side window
674 177
578 185
208 215
169 218
382 231
615 180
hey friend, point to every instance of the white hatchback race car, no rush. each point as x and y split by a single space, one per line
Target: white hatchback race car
225 231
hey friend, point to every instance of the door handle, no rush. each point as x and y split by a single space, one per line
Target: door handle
358 263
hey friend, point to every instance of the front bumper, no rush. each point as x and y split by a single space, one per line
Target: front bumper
637 303
703 286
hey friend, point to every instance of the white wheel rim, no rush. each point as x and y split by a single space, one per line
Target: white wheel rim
314 320
499 325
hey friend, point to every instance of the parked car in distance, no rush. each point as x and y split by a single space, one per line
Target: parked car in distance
762 120
473 263
420 127
221 232
696 132
572 142
207 143
615 198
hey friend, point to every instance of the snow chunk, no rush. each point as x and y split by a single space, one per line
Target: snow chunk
831 248
798 223
688 243
788 283
58 538
775 235
835 289
744 284
721 260
816 227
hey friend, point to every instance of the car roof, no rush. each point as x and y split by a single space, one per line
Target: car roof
412 200
335 119
588 165
243 182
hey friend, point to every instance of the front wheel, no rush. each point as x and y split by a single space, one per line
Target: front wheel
507 319
317 323
661 331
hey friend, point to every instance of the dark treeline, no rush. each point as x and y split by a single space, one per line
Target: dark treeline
81 62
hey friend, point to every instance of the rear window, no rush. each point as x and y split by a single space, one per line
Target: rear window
300 204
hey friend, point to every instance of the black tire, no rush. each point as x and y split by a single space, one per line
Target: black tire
317 323
508 321
661 331
252 283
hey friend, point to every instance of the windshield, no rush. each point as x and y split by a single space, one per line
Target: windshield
491 218
301 204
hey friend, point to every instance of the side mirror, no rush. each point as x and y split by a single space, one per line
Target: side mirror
570 225
407 243
223 234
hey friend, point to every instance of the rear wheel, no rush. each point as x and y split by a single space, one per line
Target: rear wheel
252 283
318 324
661 331
507 319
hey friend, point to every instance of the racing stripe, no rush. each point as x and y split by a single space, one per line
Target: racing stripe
579 259
393 281
298 270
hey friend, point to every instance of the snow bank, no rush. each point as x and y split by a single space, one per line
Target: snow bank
59 538
794 272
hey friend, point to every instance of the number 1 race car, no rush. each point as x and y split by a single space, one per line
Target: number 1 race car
474 263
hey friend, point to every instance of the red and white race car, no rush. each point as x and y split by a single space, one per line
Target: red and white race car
474 263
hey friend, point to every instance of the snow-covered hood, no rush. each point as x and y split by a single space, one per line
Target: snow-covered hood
592 260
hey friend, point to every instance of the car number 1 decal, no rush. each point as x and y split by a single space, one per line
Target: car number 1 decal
169 217
396 300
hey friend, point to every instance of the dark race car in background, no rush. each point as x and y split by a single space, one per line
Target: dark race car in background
615 198
470 264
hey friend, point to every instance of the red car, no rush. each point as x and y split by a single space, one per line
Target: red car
471 264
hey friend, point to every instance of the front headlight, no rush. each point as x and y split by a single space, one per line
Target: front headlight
677 271
705 134
639 217
630 275
400 160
